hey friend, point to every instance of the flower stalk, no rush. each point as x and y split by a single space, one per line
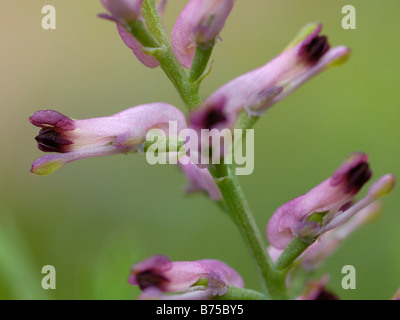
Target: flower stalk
273 282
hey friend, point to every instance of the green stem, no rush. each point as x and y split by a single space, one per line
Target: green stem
200 63
273 283
245 122
188 91
235 293
170 144
295 248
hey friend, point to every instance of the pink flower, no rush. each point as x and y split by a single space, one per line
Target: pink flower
120 133
159 278
124 12
260 89
199 25
200 179
328 205
329 242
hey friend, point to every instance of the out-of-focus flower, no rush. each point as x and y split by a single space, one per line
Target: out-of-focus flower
200 179
120 133
199 25
256 91
159 278
125 12
316 290
327 244
328 205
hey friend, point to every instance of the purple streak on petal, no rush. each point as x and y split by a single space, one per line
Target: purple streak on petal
136 47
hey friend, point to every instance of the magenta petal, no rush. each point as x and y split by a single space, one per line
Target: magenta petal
201 180
199 24
181 40
137 48
51 118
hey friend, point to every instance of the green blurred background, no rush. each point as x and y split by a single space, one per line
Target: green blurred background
94 218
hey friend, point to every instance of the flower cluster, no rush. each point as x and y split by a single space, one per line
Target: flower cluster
317 221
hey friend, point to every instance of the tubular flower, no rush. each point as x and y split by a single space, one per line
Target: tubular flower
159 278
199 25
327 244
76 139
319 251
124 12
256 91
328 205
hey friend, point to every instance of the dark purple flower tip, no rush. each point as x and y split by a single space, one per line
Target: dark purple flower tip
326 295
50 140
314 48
353 173
150 279
211 116
151 273
51 118
357 177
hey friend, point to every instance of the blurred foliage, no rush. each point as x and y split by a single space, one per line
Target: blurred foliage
94 218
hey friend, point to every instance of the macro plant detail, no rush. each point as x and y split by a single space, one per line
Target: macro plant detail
301 233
